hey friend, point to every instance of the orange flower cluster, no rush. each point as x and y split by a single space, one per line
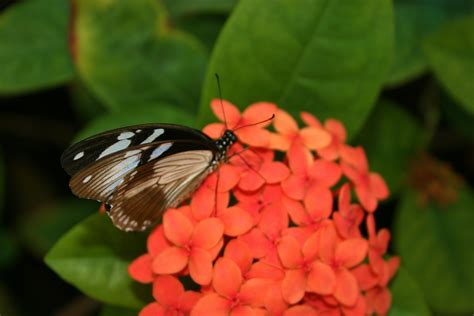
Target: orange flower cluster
265 236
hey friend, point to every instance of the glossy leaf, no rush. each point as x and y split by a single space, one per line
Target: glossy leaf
407 297
326 57
141 61
450 52
33 46
161 113
43 227
436 246
414 20
186 7
391 137
94 257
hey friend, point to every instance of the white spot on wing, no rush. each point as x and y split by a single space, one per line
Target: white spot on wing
160 150
121 144
125 135
138 131
156 133
87 179
79 155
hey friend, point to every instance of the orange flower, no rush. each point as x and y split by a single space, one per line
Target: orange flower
232 294
307 173
369 186
253 135
171 299
191 246
288 133
261 236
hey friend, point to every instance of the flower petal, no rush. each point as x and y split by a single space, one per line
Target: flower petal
236 221
253 291
366 278
301 310
325 173
351 252
239 252
321 279
294 186
336 128
157 241
378 186
187 301
284 123
296 211
200 266
152 309
207 233
203 202
318 201
310 120
273 220
347 290
228 177
315 138
254 136
251 181
167 290
214 130
289 252
227 278
256 112
263 270
274 171
169 261
293 286
177 227
231 115
279 142
140 269
368 201
258 243
211 304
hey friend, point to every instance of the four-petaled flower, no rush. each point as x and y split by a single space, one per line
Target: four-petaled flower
263 235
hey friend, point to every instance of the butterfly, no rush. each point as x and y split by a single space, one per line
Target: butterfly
140 171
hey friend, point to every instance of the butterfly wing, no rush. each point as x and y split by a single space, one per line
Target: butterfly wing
139 171
148 191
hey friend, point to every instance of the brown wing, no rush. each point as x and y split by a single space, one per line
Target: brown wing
149 190
99 180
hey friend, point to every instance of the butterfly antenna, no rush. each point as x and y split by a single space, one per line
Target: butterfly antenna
253 124
220 98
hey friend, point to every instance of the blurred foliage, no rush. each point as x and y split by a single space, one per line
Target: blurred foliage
399 74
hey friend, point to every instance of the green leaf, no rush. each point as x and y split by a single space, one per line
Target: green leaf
186 7
94 256
407 297
414 20
435 244
33 46
391 137
42 228
140 61
86 104
109 310
205 27
161 113
9 247
326 57
450 52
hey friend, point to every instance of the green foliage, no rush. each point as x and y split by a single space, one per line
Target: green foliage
9 248
414 21
450 53
152 65
391 137
186 7
436 246
42 228
407 296
33 46
326 57
94 256
137 115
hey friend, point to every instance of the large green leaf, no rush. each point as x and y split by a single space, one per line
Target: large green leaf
450 52
186 7
414 20
435 244
94 256
391 137
43 227
33 46
128 57
328 57
407 297
160 113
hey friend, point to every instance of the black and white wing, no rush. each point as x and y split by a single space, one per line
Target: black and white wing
139 171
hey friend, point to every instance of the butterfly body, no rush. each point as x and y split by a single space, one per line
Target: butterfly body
140 171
